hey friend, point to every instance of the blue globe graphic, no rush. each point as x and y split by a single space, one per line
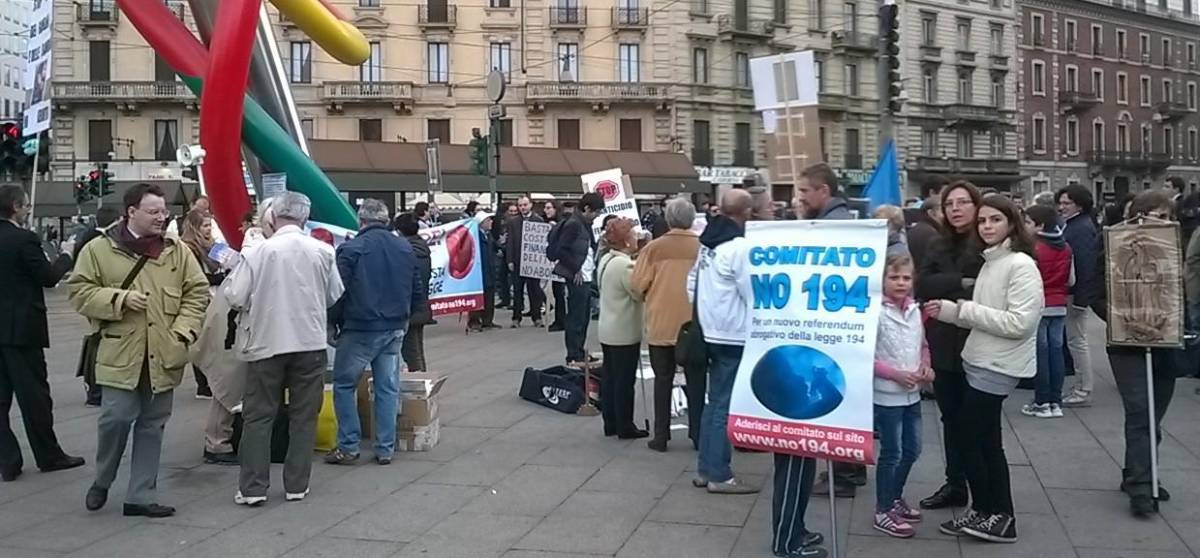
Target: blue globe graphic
798 382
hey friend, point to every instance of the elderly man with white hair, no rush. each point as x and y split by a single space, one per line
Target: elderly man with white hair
382 287
282 290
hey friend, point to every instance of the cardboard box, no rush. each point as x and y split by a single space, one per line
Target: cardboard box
417 412
418 438
420 385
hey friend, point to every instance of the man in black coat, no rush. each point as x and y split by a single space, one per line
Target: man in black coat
515 224
24 332
573 253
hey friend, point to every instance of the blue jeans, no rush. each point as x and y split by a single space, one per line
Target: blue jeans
355 350
1051 364
899 447
715 452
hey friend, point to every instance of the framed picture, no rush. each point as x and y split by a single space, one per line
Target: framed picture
1144 267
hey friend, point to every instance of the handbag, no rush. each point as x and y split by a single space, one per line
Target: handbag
690 348
91 342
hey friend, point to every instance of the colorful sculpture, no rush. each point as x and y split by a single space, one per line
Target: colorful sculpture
229 117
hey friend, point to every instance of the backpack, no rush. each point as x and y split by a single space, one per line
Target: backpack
552 247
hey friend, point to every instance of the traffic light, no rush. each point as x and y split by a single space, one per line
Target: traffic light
478 152
889 23
10 148
82 190
106 181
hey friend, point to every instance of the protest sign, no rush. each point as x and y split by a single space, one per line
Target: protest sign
804 385
617 193
40 40
456 282
534 263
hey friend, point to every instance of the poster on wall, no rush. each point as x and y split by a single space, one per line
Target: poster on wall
1145 285
37 68
614 187
534 263
456 282
805 383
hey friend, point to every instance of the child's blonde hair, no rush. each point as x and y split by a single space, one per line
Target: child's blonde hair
896 259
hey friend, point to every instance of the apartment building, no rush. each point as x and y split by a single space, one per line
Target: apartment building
14 18
960 77
1109 94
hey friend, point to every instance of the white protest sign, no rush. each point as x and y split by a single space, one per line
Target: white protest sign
534 263
617 195
805 383
273 184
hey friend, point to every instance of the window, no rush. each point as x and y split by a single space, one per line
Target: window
629 63
850 15
1072 136
368 3
1122 88
1039 78
998 141
300 64
816 20
1098 83
166 139
1168 141
1098 135
1144 47
996 3
568 61
701 148
965 85
699 65
1144 91
853 148
568 133
631 134
780 12
370 129
1191 95
1167 53
998 91
819 70
966 143
964 34
100 144
1039 134
741 70
438 62
929 84
928 29
438 129
997 32
372 69
743 153
1097 40
929 142
1167 92
1071 83
504 129
499 3
500 59
1187 7
1147 143
1070 35
308 128
162 70
7 108
1122 137
1193 140
1038 29
1121 44
1191 55
852 80
99 61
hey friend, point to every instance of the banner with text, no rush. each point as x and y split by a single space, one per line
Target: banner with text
617 192
805 383
534 263
456 284
37 68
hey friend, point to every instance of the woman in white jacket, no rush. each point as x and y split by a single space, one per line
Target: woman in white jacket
1003 317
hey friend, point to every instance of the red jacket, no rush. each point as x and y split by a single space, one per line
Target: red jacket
1054 262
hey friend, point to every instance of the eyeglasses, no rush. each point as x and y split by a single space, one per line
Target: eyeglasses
959 203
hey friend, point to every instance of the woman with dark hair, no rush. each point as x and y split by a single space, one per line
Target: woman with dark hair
412 349
196 234
1002 315
948 270
1058 274
1129 372
553 215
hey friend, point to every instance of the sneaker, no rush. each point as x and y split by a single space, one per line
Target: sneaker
515 324
804 552
248 500
997 527
1056 410
891 524
731 486
1035 409
1142 506
954 527
1077 399
383 459
295 496
700 482
906 512
228 458
338 457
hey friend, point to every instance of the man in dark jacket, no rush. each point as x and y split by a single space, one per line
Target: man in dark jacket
572 253
24 333
482 320
1075 206
105 217
926 230
523 285
382 287
413 347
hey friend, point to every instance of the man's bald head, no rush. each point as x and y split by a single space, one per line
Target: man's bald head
737 204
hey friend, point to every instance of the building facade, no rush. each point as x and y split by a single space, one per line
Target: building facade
1109 94
14 18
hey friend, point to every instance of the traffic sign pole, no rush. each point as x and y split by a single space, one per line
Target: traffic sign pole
495 91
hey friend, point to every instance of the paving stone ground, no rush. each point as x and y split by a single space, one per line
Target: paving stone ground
514 480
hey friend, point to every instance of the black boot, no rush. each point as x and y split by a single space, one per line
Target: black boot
947 496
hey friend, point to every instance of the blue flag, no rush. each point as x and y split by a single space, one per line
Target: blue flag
884 187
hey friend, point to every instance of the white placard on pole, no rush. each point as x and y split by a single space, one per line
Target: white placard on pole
534 263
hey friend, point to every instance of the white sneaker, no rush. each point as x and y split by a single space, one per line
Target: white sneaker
1056 410
1077 399
248 500
295 496
1034 409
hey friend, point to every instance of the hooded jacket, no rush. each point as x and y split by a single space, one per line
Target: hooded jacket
1055 265
1081 235
722 289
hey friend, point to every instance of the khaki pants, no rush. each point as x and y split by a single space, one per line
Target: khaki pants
218 433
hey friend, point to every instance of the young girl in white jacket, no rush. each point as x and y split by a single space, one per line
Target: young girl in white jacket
1003 316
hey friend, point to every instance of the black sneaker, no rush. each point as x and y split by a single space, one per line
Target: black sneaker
804 552
946 497
997 528
955 526
1142 506
228 458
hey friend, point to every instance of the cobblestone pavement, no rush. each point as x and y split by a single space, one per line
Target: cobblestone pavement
515 480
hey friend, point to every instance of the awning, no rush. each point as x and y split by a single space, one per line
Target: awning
400 167
57 198
994 180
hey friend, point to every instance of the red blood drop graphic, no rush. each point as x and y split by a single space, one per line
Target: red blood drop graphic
461 247
607 189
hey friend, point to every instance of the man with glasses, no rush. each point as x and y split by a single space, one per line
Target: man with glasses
145 296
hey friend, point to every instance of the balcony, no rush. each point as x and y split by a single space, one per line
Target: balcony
743 157
731 27
437 17
968 165
127 93
337 94
853 161
702 157
568 17
630 18
931 53
1131 160
855 41
964 57
1171 110
999 62
600 94
96 15
968 115
1077 101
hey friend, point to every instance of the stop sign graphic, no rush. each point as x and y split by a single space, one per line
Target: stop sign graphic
608 189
